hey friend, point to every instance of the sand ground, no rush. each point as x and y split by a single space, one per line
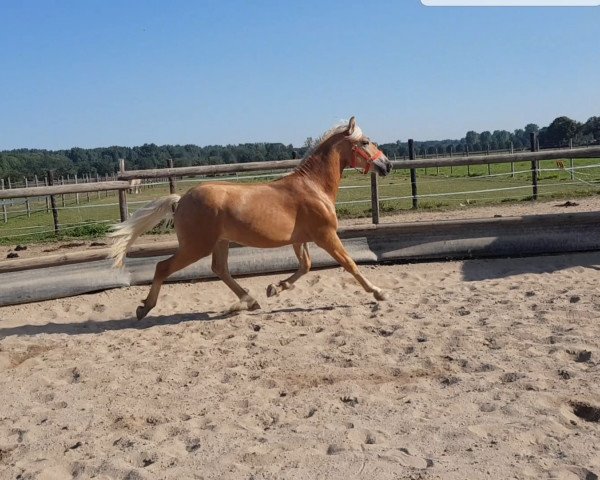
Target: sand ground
475 369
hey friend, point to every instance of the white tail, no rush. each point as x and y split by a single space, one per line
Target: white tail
141 221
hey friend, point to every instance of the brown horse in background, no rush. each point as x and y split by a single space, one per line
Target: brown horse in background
296 209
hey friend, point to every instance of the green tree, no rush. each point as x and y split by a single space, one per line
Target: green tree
485 140
472 139
559 132
531 127
519 138
501 139
592 128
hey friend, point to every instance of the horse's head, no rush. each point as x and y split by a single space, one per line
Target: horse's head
365 154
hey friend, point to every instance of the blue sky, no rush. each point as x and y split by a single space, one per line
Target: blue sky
100 73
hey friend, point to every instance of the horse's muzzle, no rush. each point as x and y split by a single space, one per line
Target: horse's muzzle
382 165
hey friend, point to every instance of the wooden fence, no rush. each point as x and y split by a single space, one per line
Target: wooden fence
122 184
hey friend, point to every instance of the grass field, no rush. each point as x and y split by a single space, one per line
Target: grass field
437 189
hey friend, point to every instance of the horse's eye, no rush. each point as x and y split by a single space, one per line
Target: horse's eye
364 142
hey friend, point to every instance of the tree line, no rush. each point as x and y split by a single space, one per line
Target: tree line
101 161
559 133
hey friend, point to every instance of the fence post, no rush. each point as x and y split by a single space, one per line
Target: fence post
62 182
451 154
123 194
533 140
375 198
37 184
98 181
413 174
86 179
27 204
76 195
53 203
4 213
468 166
512 164
172 185
47 198
571 160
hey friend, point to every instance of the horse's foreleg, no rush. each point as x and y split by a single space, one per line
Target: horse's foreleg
332 244
181 259
301 251
221 269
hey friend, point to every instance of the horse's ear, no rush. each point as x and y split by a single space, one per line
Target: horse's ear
351 125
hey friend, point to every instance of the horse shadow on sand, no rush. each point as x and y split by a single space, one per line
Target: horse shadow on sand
495 268
94 327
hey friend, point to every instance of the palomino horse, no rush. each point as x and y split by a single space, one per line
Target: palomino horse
134 185
296 209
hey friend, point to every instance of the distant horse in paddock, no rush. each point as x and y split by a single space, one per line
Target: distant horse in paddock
134 185
296 209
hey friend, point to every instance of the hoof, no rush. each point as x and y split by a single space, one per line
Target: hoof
141 312
273 289
245 303
379 295
248 303
254 306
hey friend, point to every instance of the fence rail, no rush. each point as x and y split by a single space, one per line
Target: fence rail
454 161
122 184
209 169
63 189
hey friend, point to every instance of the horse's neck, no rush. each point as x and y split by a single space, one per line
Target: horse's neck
324 168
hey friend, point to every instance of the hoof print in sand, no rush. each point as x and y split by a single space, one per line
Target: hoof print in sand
352 401
510 377
580 356
573 472
406 459
586 411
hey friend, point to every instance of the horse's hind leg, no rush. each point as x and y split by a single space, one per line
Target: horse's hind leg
181 259
301 251
332 244
221 269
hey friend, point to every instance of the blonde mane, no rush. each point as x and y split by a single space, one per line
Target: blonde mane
340 128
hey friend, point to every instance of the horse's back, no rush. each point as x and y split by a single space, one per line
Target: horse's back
261 215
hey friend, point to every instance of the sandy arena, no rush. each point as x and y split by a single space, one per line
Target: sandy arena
475 369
